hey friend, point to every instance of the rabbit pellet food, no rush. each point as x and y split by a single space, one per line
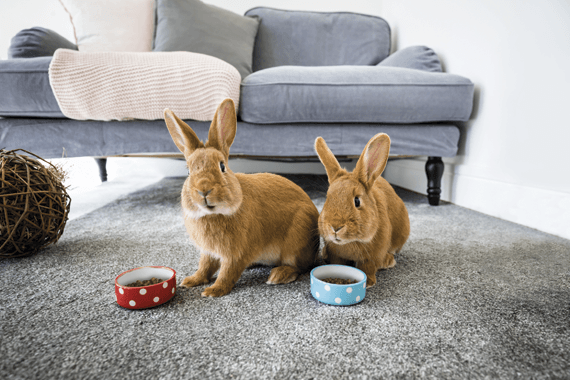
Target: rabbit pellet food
339 281
139 283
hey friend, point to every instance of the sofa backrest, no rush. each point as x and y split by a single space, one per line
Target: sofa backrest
318 39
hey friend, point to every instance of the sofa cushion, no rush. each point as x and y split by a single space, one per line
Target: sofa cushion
354 94
190 25
318 39
37 42
414 57
111 25
26 90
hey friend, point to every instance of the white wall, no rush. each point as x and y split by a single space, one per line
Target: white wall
514 162
16 15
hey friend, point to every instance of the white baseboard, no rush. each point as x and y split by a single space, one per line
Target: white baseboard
541 209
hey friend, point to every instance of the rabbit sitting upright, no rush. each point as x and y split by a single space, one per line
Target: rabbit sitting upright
237 220
363 220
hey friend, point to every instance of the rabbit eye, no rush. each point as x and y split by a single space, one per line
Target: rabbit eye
357 201
222 167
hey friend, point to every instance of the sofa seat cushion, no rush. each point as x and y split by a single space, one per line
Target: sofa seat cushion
354 94
26 90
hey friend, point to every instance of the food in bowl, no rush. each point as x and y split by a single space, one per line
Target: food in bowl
139 283
339 281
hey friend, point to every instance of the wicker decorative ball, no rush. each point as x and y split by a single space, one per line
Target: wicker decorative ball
34 204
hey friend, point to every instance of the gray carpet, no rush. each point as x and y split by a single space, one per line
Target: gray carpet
471 297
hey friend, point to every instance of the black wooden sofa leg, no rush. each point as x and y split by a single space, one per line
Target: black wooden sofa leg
434 171
102 163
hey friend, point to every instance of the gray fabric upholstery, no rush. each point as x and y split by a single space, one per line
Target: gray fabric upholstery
354 94
414 57
37 42
346 102
25 88
51 138
190 25
318 39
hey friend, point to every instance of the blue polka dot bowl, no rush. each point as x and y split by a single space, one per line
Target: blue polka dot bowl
335 294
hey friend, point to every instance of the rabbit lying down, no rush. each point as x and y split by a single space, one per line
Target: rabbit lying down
363 220
238 220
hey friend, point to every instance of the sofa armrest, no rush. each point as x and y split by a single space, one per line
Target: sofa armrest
414 57
37 42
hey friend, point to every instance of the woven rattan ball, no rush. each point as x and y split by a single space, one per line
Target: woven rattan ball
34 204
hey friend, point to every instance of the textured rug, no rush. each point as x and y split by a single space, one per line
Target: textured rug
471 296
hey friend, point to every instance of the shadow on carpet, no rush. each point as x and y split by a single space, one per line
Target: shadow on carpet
471 296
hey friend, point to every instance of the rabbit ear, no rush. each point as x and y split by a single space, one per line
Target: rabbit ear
373 159
183 136
223 128
327 158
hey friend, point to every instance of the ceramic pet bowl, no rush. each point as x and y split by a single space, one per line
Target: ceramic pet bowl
142 297
334 294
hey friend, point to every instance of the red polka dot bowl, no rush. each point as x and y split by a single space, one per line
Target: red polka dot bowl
143 297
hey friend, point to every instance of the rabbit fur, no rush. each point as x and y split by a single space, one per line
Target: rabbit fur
238 220
363 219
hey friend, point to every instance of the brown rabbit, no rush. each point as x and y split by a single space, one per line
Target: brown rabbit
363 220
237 220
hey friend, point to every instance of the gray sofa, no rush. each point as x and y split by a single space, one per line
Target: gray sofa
314 74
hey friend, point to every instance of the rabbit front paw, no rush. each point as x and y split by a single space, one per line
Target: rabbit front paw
215 291
282 275
192 281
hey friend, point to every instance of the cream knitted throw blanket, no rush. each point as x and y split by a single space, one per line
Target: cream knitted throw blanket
119 86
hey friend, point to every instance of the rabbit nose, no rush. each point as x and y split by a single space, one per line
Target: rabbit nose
336 230
204 194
